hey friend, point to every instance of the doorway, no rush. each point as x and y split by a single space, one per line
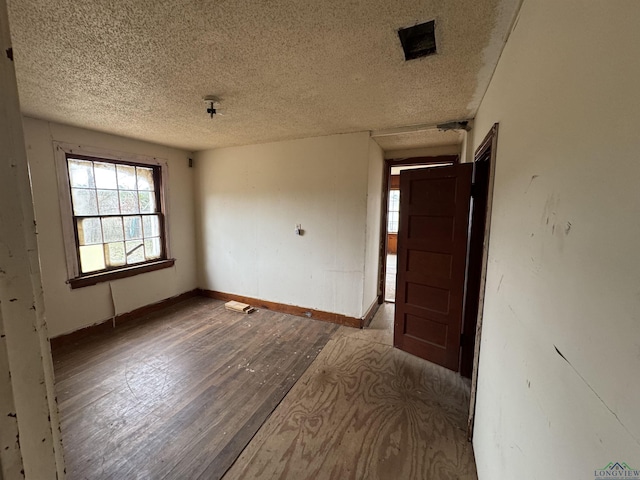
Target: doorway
390 260
441 249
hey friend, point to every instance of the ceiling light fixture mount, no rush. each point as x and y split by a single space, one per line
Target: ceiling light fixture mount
213 104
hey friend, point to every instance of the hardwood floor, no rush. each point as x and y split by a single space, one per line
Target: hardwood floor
180 394
365 410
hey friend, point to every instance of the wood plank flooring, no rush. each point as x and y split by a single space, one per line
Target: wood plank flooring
179 395
365 410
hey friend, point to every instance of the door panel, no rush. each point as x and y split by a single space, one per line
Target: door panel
432 249
437 264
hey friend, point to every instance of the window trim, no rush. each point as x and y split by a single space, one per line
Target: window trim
74 277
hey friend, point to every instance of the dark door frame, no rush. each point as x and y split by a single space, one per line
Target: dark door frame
398 162
475 244
486 152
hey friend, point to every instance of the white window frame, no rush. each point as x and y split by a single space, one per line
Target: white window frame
61 150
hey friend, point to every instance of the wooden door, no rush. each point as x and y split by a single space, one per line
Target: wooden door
432 249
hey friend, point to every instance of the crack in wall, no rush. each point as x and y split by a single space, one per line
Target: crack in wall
598 396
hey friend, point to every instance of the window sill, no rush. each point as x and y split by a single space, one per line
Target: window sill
88 280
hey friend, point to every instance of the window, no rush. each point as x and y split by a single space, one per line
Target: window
115 219
394 211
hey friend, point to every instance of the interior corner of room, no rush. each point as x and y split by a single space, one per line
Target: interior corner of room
433 209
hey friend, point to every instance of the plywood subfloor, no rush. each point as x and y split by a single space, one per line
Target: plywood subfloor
365 410
178 396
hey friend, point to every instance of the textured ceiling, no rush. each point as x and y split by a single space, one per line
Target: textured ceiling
282 69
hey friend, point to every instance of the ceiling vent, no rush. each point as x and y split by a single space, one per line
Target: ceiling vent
419 40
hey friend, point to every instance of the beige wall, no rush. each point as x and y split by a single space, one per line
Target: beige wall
374 216
564 267
68 310
250 199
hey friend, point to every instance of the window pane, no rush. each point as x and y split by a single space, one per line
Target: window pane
147 202
132 228
151 224
128 202
108 202
105 175
84 201
126 177
145 178
114 253
394 200
152 248
91 258
135 251
89 231
81 173
112 229
392 226
117 213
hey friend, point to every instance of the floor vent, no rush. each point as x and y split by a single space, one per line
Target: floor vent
419 40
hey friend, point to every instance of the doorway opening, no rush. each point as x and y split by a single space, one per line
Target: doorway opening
391 220
439 257
435 247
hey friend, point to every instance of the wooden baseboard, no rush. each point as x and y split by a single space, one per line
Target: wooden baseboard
111 323
373 309
154 307
289 309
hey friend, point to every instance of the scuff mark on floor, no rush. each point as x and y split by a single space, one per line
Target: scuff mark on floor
500 284
597 396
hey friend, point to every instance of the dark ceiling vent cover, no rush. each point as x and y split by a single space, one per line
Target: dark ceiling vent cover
419 40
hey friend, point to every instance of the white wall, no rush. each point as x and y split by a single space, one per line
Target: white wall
564 267
374 212
69 310
250 199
